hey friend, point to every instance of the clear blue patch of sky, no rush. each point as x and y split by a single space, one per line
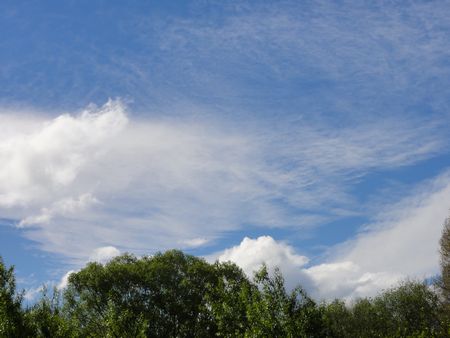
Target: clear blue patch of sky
401 179
33 267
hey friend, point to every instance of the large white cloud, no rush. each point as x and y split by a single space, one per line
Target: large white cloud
325 281
42 161
102 178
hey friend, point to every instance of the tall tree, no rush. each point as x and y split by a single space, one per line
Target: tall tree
445 261
12 319
274 312
165 295
46 318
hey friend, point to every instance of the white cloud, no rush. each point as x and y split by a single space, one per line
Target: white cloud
404 240
77 182
41 162
65 207
64 280
347 280
250 254
194 242
104 254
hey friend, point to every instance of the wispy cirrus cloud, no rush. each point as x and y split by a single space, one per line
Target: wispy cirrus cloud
349 59
286 58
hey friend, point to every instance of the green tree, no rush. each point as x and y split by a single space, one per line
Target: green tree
410 309
227 300
445 261
12 319
368 319
337 319
47 319
172 294
165 295
273 312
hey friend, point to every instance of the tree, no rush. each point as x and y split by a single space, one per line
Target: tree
12 319
273 312
410 309
445 262
46 318
172 294
337 319
228 298
165 295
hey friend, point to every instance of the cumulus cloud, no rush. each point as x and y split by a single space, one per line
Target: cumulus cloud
402 244
250 254
324 281
41 163
104 254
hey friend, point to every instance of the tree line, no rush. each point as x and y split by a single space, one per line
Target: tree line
173 294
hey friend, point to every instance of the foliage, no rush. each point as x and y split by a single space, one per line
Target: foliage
172 294
46 318
445 261
411 309
272 312
337 319
166 295
12 319
227 300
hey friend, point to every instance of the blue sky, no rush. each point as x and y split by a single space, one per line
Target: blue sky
309 135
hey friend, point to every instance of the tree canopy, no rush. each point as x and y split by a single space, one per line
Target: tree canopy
173 294
445 261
